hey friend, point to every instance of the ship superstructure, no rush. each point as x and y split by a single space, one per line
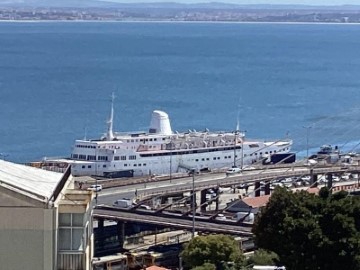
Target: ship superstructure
161 151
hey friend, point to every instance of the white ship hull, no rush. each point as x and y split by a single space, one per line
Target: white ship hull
160 163
160 151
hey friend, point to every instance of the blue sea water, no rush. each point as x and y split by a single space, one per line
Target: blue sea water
56 79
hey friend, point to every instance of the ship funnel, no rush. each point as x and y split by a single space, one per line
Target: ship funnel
160 123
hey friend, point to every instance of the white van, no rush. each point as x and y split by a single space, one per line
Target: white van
122 203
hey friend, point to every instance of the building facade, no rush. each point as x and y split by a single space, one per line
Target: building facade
45 221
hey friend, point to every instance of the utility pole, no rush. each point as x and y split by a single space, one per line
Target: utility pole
235 137
242 149
193 203
170 158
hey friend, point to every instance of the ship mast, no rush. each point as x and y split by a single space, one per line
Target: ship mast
110 133
235 138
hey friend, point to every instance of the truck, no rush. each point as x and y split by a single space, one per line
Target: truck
122 203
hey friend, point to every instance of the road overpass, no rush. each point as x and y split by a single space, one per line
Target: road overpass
173 221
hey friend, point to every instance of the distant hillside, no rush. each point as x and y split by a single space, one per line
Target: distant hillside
59 3
163 5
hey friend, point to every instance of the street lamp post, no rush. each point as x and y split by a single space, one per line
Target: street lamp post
96 179
193 203
235 137
242 150
170 176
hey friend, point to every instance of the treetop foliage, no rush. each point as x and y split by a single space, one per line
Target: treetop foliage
310 231
213 249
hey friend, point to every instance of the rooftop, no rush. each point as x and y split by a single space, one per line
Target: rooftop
33 182
256 202
155 267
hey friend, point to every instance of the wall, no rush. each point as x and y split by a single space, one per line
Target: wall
26 238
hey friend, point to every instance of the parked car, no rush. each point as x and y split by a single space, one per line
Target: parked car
220 217
249 168
144 207
233 170
96 188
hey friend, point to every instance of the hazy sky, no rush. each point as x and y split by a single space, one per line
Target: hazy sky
304 2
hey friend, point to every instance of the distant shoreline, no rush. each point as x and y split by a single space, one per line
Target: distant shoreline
170 21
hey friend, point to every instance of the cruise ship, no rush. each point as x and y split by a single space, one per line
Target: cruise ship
161 151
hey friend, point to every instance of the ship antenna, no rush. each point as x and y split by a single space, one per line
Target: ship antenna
85 133
110 133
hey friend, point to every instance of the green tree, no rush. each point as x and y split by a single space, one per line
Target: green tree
213 249
309 231
205 266
263 257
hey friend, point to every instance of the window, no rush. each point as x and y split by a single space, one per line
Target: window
91 157
132 157
123 157
71 231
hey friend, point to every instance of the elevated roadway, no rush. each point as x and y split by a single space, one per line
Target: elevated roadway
178 222
206 181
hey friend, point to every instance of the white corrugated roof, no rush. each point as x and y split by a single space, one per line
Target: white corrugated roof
29 179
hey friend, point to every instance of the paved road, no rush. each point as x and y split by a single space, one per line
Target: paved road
174 222
108 196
